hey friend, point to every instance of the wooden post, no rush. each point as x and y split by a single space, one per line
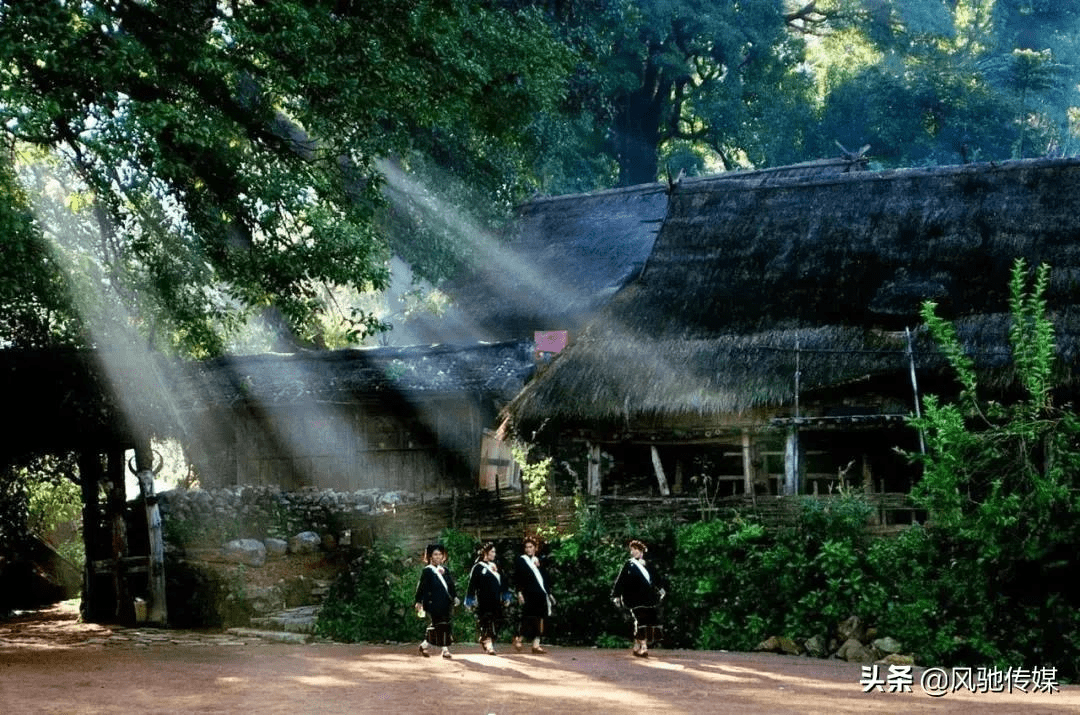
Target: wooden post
593 477
748 459
116 503
659 469
678 486
792 462
94 607
144 472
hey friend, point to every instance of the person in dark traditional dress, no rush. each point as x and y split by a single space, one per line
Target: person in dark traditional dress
486 593
534 595
639 587
435 596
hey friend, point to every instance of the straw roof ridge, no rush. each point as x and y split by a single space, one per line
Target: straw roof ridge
497 370
864 248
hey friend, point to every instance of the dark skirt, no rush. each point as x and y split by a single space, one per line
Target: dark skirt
646 623
487 624
440 631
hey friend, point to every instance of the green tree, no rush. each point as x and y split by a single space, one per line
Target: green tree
928 82
227 150
1000 484
680 84
35 311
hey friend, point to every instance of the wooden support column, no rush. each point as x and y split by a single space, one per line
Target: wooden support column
792 463
751 461
144 472
661 479
116 504
95 601
593 476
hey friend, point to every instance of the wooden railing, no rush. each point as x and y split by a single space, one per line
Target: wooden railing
508 516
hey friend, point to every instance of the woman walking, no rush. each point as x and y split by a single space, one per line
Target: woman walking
486 594
435 596
639 588
533 595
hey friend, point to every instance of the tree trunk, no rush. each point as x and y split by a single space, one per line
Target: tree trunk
638 123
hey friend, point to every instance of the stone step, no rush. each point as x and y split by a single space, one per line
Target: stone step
292 620
277 636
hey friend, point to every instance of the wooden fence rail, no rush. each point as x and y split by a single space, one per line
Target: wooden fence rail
508 516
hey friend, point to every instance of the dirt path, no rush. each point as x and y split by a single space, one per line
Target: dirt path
49 663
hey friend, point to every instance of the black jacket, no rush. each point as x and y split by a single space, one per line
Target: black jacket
436 600
536 595
634 589
487 588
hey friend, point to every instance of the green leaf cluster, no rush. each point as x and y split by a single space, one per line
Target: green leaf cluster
1000 482
227 150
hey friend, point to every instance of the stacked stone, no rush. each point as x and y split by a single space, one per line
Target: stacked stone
265 511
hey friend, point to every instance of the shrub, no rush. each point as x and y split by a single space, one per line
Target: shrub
373 600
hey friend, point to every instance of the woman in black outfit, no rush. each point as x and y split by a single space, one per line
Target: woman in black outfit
436 596
533 595
486 593
640 588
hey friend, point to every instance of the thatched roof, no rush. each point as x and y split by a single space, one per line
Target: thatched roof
66 400
740 269
494 371
565 258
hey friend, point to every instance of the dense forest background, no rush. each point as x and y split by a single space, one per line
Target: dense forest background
195 174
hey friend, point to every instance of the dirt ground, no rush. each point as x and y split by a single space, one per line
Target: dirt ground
51 663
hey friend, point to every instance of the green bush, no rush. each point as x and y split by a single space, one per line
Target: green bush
1001 486
373 600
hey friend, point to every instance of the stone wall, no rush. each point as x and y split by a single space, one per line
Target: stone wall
207 518
238 555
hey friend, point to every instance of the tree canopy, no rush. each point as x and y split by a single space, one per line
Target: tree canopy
209 161
227 149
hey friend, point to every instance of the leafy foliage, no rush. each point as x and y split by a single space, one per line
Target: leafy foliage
226 151
1000 484
373 601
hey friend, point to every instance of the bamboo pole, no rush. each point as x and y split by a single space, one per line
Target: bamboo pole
915 387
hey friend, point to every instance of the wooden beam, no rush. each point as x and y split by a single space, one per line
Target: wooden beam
94 605
659 469
750 462
116 504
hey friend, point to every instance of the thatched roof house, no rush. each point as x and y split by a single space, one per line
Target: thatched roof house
396 418
753 281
